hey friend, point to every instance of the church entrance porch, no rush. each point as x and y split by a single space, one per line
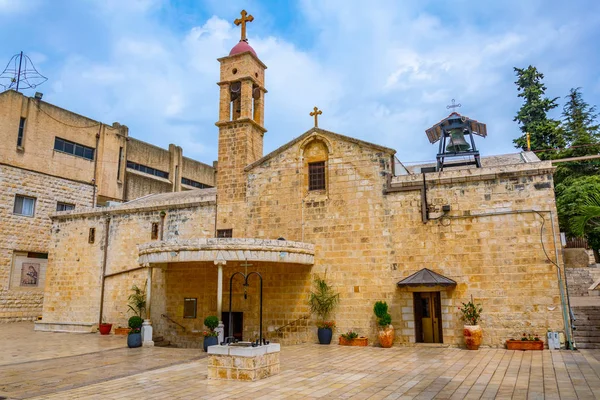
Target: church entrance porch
430 301
198 272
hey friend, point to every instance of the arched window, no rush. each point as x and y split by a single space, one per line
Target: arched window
316 156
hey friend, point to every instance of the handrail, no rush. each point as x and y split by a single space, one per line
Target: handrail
171 320
278 330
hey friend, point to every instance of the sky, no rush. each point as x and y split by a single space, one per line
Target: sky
381 71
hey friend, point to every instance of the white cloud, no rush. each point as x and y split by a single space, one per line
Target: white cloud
16 6
382 71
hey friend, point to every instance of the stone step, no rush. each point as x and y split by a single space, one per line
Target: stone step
588 333
587 339
164 343
587 345
590 324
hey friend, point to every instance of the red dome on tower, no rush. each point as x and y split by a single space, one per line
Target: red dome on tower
242 47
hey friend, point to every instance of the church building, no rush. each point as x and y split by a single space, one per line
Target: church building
424 239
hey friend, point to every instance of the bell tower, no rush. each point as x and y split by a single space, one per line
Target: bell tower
241 120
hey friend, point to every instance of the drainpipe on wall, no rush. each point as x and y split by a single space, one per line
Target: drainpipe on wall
104 257
566 313
94 180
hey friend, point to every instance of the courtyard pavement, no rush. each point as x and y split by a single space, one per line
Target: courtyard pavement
42 365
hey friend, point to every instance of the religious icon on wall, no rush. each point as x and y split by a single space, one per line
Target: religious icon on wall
30 273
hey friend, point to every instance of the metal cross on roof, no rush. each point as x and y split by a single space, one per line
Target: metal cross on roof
316 112
242 21
454 105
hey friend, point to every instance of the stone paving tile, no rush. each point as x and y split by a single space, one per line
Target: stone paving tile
333 372
307 372
20 343
32 378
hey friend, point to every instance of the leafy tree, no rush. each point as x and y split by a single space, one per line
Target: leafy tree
575 198
532 115
588 215
582 136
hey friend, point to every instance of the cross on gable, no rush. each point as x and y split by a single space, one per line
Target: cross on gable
242 21
315 113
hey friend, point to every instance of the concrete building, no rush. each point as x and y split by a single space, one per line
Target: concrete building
53 160
323 204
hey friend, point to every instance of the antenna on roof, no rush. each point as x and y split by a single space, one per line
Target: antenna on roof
20 73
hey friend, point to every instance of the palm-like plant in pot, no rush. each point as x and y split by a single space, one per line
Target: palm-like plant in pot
322 301
384 321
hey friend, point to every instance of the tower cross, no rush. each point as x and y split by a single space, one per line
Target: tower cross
242 21
454 105
315 113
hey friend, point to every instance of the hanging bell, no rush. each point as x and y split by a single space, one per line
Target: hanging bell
457 142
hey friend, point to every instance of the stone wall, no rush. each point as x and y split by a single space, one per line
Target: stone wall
73 289
111 143
368 235
21 235
367 241
285 294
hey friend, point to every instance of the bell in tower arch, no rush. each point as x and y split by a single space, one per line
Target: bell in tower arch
457 142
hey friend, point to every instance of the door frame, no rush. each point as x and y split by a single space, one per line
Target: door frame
436 309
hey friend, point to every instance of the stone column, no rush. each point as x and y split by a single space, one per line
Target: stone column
147 325
220 329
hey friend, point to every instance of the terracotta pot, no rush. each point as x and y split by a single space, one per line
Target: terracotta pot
525 345
359 341
386 337
473 335
122 331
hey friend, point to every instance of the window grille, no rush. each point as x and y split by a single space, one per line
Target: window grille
224 233
316 176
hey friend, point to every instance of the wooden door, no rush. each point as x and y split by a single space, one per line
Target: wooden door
428 317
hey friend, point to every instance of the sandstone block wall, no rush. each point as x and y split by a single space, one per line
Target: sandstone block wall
367 241
74 274
21 234
285 295
111 143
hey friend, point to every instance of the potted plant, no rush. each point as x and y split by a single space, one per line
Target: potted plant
210 336
529 341
134 339
137 300
471 313
104 328
351 338
322 301
384 321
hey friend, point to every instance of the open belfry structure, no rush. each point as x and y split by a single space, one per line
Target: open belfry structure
424 239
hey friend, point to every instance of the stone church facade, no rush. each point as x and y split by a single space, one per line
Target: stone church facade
324 204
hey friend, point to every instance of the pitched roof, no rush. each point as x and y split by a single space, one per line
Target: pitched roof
426 277
323 132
